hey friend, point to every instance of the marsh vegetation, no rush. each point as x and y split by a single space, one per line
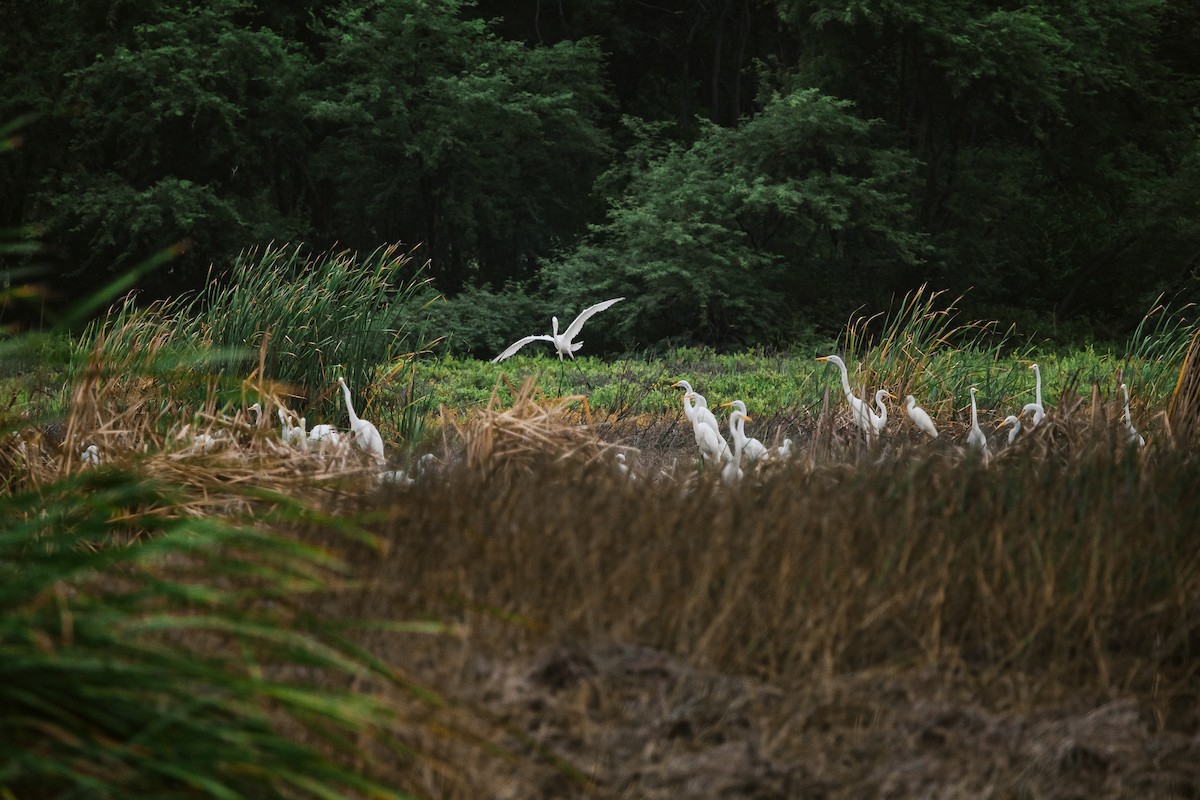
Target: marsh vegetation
524 619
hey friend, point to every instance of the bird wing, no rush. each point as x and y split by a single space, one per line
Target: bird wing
577 325
517 345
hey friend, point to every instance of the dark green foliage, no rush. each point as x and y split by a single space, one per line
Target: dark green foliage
138 659
736 238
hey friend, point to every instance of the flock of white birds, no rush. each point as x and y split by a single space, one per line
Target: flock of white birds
715 451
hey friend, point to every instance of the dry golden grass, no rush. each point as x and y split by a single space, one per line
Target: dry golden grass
905 620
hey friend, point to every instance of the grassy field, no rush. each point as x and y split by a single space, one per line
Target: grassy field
523 620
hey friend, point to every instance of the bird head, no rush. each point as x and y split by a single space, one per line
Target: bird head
1010 419
554 325
687 387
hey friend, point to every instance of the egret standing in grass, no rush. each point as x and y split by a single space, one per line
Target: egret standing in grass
731 473
1036 408
860 412
712 447
752 448
1131 433
1013 420
878 421
920 418
366 435
975 438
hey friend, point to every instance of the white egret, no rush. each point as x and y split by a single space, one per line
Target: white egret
563 342
366 435
713 447
975 438
878 421
1036 410
1013 420
285 422
1131 434
695 407
1039 410
90 455
784 450
257 409
920 417
860 412
752 448
299 434
325 435
731 473
624 468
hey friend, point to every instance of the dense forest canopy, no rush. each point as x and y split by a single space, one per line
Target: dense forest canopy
740 169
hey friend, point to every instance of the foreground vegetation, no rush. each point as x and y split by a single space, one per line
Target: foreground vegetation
245 618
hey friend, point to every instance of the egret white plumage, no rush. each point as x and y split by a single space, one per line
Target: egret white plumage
564 343
752 448
975 438
90 455
860 412
731 473
878 421
1131 434
712 447
1013 420
784 451
920 417
1036 407
366 435
325 435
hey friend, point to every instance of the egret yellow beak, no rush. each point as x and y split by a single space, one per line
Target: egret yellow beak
725 405
823 358
747 419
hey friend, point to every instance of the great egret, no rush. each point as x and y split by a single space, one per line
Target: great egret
299 434
975 438
285 421
90 455
624 469
1131 433
325 435
257 409
752 448
785 450
860 412
695 407
731 473
713 446
1013 420
878 421
1039 410
563 342
920 418
1036 410
366 435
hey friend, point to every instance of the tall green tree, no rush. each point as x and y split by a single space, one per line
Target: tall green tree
1058 142
799 213
188 126
432 129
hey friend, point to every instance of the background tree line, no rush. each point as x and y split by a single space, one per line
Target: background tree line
742 170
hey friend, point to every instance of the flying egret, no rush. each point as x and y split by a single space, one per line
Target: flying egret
563 342
878 421
975 438
731 473
752 448
1013 420
860 412
366 435
1131 433
920 417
